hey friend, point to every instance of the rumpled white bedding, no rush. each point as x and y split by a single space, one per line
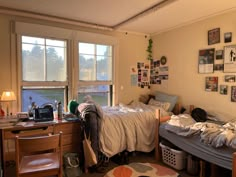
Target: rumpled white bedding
212 134
130 128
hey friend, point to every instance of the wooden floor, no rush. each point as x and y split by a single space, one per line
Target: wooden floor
136 157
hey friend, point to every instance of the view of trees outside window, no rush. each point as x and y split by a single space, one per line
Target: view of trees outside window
43 60
95 66
44 65
95 62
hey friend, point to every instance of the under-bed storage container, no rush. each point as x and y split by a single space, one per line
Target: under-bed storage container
173 157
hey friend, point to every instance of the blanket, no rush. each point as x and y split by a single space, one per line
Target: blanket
128 127
211 133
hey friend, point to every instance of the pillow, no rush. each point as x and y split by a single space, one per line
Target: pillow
164 105
220 116
172 99
146 98
143 99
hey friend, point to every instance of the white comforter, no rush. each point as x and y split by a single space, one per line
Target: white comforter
212 134
130 128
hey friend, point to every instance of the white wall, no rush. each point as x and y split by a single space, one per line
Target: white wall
181 47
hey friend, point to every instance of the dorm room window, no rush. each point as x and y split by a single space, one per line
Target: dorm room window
95 72
44 71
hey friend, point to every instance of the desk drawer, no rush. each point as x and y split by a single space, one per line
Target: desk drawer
71 139
72 148
44 130
68 128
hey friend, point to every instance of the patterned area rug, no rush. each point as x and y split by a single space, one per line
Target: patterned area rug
142 170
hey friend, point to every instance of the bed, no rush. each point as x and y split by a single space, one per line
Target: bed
126 127
202 141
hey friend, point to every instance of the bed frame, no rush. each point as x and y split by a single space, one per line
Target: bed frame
176 111
202 163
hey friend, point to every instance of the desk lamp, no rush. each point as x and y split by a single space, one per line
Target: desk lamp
8 96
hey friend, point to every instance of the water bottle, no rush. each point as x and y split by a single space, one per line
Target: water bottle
59 111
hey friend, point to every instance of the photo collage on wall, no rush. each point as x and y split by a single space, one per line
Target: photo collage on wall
159 71
143 75
154 79
153 72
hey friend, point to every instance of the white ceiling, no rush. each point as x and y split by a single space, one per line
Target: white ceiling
112 14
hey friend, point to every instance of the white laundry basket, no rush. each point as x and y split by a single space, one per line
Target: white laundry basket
172 157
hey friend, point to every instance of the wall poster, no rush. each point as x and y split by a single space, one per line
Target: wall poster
206 60
214 36
134 76
233 93
223 89
211 84
230 58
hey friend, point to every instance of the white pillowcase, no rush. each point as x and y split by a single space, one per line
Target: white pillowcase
164 105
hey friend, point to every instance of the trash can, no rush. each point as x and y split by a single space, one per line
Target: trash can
193 164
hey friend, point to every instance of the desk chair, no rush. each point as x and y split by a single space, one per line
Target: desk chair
39 156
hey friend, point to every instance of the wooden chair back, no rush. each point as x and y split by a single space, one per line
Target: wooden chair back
40 145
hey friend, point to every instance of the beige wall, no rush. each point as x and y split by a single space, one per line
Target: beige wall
181 47
132 48
5 70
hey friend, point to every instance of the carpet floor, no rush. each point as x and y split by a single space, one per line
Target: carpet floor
134 157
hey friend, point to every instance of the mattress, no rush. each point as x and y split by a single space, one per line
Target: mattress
220 156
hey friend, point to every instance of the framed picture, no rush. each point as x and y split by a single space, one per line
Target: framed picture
230 58
223 89
206 60
229 78
233 93
211 84
219 54
228 37
214 36
218 67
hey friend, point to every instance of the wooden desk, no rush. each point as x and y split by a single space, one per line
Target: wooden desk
71 140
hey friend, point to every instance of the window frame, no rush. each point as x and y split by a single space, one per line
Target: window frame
72 36
109 83
47 85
